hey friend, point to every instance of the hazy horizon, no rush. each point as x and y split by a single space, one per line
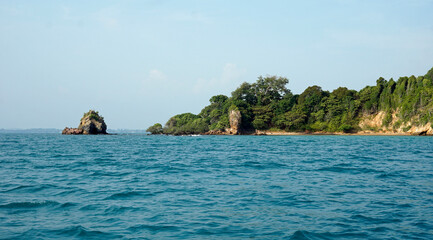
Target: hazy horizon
141 62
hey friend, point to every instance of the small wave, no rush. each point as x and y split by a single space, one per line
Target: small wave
127 195
423 225
252 164
16 205
160 182
352 170
306 235
67 205
262 165
104 159
80 231
380 229
18 188
111 174
153 228
118 209
67 156
30 188
91 207
227 230
392 175
71 191
363 218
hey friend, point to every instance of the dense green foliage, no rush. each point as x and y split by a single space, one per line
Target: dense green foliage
186 123
92 114
155 129
268 104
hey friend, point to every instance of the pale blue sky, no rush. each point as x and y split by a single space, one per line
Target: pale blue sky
141 62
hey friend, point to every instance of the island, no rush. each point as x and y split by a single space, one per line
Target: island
91 123
267 107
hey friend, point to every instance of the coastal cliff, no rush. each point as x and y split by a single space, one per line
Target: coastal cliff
380 123
90 123
402 107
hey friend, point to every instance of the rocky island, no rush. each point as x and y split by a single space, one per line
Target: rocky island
267 107
90 123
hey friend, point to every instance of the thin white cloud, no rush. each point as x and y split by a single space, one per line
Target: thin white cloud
157 75
12 10
190 17
156 79
231 76
404 39
108 17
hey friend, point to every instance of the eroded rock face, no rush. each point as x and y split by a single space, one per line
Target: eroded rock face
376 121
92 123
235 119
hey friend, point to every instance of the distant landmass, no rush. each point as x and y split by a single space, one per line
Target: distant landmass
127 131
31 130
267 107
54 130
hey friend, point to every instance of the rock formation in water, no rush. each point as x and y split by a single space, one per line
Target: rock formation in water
90 123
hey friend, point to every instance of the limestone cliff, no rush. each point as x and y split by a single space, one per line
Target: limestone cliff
235 119
379 123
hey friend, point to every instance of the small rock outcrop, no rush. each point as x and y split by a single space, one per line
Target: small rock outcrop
72 131
216 132
90 123
235 119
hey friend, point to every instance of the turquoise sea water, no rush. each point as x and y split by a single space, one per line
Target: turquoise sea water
215 187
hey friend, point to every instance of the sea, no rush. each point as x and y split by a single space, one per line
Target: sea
136 186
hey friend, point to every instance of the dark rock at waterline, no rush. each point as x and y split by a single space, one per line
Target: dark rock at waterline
72 131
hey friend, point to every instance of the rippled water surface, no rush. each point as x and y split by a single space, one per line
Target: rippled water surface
215 187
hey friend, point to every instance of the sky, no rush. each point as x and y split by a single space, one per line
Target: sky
139 62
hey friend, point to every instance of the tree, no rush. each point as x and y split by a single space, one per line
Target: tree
218 99
292 121
155 129
262 117
186 123
269 89
310 99
245 92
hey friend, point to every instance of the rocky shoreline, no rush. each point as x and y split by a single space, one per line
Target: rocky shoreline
235 120
283 133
